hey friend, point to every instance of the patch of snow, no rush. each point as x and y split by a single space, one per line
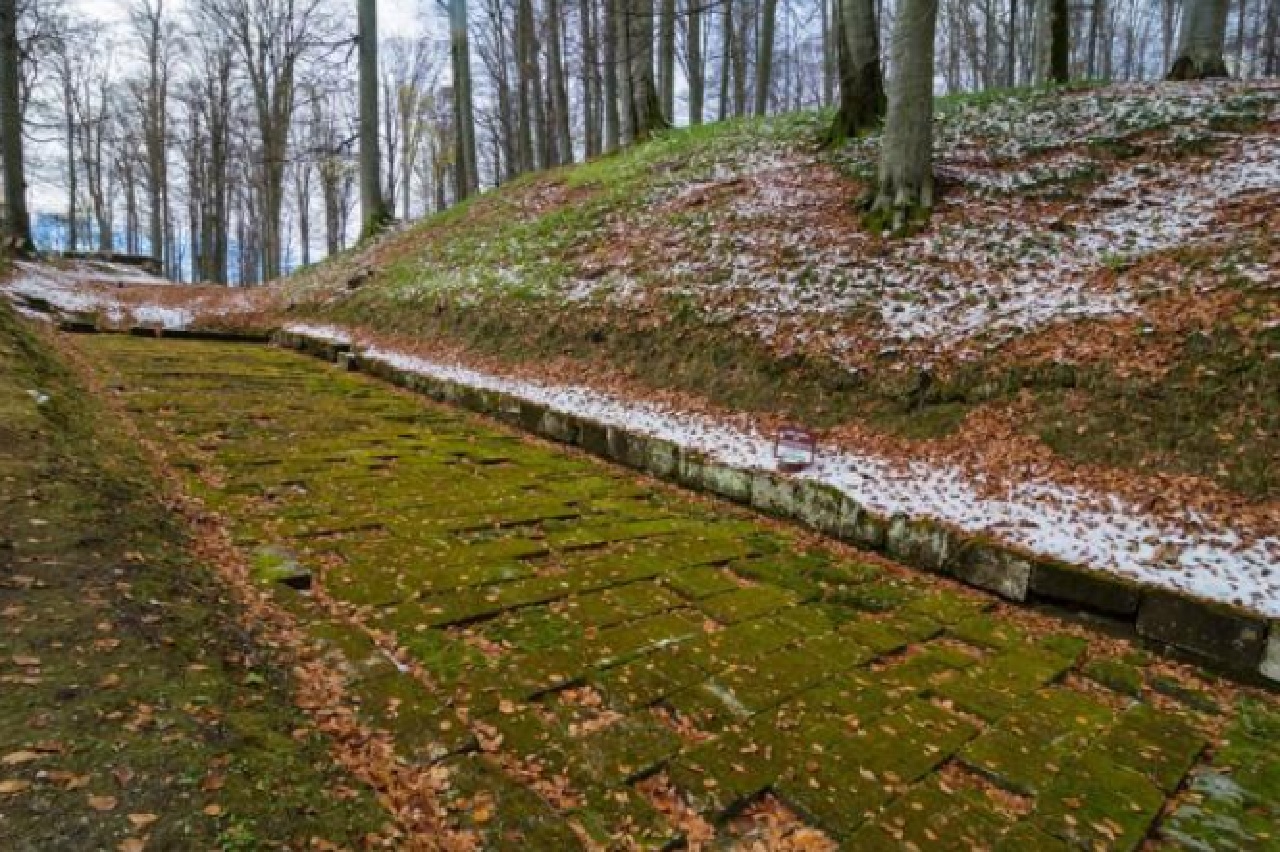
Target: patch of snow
1045 517
324 332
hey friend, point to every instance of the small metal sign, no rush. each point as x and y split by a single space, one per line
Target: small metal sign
794 448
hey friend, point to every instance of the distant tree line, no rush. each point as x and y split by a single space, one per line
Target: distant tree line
225 137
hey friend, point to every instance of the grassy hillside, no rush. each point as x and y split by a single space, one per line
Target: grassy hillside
1098 282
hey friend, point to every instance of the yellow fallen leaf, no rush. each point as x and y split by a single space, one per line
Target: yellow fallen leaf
111 681
17 757
25 662
142 820
102 803
11 786
133 844
213 810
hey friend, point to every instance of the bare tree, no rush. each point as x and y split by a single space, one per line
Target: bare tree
373 208
764 55
1201 41
906 156
274 38
155 32
467 179
862 98
17 222
695 65
643 100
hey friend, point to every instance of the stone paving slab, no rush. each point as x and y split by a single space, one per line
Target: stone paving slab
567 638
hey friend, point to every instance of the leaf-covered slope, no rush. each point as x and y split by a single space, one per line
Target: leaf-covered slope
1046 196
1098 279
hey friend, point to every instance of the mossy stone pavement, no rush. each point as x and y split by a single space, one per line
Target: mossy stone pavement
133 712
576 640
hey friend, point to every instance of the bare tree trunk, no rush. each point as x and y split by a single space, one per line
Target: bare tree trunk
906 157
612 121
149 21
561 136
590 79
1271 41
467 180
723 109
697 65
526 63
828 52
1099 9
1242 15
302 198
1059 42
1011 62
622 56
667 59
862 98
764 55
739 66
1201 41
73 224
372 206
646 106
17 222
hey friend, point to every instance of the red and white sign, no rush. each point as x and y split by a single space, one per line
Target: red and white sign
794 448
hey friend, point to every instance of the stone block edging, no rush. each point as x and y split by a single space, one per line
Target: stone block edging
1223 637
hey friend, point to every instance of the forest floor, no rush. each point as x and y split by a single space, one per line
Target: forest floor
1079 355
544 651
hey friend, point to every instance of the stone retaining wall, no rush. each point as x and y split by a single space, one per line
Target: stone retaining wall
1225 638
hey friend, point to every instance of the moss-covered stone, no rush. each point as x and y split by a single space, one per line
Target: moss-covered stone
1095 803
1117 675
1229 636
1107 593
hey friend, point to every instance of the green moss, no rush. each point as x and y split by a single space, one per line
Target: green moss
1116 675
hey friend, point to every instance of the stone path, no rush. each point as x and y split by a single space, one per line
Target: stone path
591 658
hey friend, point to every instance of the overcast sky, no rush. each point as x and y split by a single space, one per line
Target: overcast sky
395 17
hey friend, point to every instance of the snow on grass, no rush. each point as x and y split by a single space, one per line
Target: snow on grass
118 293
37 283
755 243
325 332
1091 529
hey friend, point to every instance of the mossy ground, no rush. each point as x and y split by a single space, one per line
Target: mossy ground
131 705
566 636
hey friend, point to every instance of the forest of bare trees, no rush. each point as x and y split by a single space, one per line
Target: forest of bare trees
225 137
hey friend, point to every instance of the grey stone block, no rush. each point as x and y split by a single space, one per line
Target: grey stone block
1093 590
559 427
626 449
1226 635
994 568
774 494
531 414
820 506
594 438
700 473
508 409
1270 667
661 458
920 543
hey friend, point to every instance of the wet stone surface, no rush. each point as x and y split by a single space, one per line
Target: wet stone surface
593 659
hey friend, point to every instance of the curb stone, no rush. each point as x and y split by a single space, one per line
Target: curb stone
1226 638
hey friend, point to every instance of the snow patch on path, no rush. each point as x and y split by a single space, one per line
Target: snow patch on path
1091 529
